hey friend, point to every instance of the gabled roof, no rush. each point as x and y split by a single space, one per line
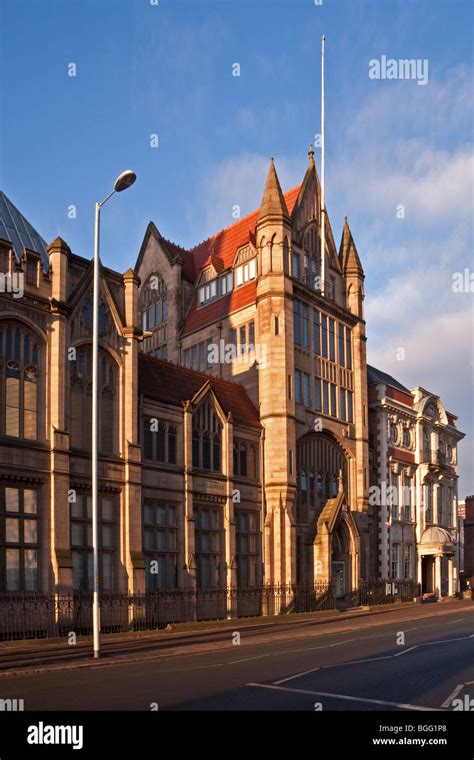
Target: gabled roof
170 383
375 375
17 230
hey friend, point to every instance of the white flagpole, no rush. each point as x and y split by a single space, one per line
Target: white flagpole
323 212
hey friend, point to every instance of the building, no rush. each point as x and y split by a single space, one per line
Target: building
413 446
248 305
468 529
234 409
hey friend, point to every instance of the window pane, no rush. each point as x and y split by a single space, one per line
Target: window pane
12 421
317 394
149 513
161 515
107 509
332 345
108 536
296 322
77 571
172 515
316 335
324 336
107 572
29 501
306 391
76 508
89 506
12 530
149 539
12 501
13 569
30 528
31 570
77 534
298 398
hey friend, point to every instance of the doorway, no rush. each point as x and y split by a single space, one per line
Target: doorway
427 574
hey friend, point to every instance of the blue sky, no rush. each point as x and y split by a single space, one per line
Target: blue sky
167 69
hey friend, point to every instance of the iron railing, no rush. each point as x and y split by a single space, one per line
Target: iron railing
31 615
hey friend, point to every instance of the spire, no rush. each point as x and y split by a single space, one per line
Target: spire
348 252
273 201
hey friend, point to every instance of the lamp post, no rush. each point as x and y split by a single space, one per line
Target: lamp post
125 180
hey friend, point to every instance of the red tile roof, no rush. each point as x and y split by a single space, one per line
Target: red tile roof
170 383
221 249
237 299
224 244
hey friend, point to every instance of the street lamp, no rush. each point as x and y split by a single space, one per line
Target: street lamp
125 180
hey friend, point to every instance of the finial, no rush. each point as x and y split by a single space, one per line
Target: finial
311 152
340 481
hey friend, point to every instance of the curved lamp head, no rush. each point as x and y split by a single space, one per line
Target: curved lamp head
126 179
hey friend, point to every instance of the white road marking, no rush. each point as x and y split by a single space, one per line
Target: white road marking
290 678
445 641
346 697
447 702
405 651
247 659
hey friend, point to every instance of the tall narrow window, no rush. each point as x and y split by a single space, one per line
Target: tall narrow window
81 543
350 410
332 344
80 413
348 349
296 322
19 539
342 404
317 394
341 343
208 545
207 438
324 336
305 326
333 400
160 544
316 333
298 394
19 384
325 397
306 390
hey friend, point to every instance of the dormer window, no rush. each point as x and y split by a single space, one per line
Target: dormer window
215 288
245 273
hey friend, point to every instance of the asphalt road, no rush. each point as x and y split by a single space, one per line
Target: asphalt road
411 659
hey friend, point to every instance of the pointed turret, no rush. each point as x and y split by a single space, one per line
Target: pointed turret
348 255
352 271
273 202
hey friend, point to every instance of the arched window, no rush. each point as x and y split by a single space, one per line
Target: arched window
312 257
20 381
319 460
153 306
81 401
206 438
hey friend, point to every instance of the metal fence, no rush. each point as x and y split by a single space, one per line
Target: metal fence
28 616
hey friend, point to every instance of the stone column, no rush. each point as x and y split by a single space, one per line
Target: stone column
438 575
61 557
189 563
131 507
229 519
